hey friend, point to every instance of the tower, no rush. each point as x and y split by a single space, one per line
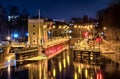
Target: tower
37 30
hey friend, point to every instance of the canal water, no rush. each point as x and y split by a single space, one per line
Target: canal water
64 66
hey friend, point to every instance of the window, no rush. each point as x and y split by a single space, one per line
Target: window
33 25
33 33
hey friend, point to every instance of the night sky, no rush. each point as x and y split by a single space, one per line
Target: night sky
59 9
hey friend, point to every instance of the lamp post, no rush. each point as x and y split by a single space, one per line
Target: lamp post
8 38
104 28
99 41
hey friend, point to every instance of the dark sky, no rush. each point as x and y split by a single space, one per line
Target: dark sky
60 9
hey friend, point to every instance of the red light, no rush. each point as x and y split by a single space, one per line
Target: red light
98 39
99 76
85 34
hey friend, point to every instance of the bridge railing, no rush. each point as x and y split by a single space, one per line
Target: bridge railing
55 41
18 44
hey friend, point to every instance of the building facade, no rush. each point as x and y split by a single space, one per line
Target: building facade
38 31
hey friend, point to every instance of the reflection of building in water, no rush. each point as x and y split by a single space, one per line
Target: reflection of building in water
86 56
42 67
36 69
86 64
85 71
58 64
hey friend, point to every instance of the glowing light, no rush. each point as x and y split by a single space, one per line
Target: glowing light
44 26
70 37
15 35
86 73
91 56
91 26
68 59
98 39
75 26
60 66
75 75
68 27
60 27
28 65
64 27
54 72
53 26
79 69
85 34
91 78
9 70
104 28
27 34
64 63
70 31
8 38
79 26
99 76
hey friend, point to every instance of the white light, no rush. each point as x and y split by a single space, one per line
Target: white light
70 31
70 37
8 38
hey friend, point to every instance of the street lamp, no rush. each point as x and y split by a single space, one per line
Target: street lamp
8 38
15 35
99 41
104 28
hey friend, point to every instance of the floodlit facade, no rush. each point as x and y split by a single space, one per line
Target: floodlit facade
37 30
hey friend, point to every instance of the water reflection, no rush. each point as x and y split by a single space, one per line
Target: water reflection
9 69
63 66
58 65
85 71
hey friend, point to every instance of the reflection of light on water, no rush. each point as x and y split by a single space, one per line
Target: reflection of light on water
79 69
54 72
99 76
91 77
91 56
8 65
9 59
64 63
68 60
86 73
75 75
60 66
